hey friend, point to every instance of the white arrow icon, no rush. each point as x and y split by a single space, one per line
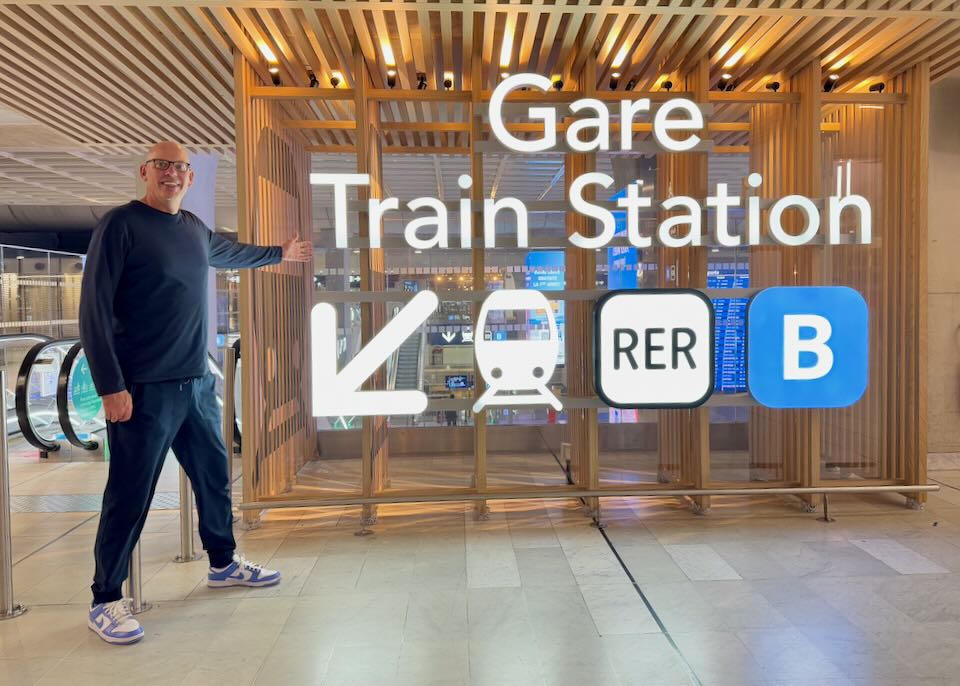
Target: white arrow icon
338 393
448 335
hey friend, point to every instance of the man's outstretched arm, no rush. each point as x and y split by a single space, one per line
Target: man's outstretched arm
225 254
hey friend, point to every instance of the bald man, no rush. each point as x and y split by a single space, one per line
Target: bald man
143 325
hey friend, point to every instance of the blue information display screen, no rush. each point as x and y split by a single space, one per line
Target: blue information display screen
622 262
545 272
458 381
730 331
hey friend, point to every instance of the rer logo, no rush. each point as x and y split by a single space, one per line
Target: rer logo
654 348
807 347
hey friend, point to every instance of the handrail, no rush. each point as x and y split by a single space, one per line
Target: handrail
63 405
421 353
392 363
12 338
22 397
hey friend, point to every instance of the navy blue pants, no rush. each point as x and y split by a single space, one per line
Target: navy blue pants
183 415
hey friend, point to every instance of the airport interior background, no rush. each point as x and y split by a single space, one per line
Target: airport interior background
438 548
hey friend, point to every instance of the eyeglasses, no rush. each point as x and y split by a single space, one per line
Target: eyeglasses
163 165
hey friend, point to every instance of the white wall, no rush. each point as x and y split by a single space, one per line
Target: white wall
943 242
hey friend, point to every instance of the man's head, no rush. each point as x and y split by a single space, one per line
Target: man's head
165 183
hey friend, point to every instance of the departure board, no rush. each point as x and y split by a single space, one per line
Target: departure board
730 330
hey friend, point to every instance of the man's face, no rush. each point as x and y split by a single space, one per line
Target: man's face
169 184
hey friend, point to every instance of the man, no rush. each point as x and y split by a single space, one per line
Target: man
143 325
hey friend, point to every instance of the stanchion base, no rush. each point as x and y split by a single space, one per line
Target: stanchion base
143 608
17 610
192 558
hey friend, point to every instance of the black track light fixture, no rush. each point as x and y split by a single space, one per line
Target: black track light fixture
726 82
313 78
421 81
667 85
877 87
275 75
447 80
773 86
336 78
557 82
614 80
830 83
631 84
391 78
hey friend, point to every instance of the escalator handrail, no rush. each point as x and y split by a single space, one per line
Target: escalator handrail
63 406
8 338
21 394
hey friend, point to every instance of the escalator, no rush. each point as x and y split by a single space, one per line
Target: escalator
54 400
408 364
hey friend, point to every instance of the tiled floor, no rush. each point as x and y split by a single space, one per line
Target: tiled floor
756 592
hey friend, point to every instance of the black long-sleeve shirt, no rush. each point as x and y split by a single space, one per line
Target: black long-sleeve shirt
143 303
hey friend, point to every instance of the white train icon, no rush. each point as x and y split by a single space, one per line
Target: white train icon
518 366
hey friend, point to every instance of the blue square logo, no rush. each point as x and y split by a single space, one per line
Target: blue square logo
807 347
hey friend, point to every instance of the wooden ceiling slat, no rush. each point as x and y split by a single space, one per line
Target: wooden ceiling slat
183 80
92 82
411 54
115 58
208 61
310 54
36 101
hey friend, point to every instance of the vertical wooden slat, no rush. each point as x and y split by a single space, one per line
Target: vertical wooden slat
478 261
273 205
580 273
372 278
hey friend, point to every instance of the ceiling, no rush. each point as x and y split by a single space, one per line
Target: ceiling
86 87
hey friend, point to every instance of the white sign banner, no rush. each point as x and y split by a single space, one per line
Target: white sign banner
654 348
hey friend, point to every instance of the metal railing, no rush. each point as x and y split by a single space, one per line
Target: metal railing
8 607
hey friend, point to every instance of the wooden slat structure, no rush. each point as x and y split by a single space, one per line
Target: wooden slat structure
274 205
278 84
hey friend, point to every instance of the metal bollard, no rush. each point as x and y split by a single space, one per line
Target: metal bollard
187 553
135 583
8 608
229 410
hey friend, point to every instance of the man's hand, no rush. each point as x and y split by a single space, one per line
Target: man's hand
296 250
118 407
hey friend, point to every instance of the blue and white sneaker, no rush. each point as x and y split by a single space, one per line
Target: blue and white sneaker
240 572
114 623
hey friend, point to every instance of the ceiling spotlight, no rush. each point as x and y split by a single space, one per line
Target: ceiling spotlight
773 86
275 75
829 84
667 85
614 80
336 78
421 81
504 74
877 87
557 82
448 80
313 78
631 84
391 78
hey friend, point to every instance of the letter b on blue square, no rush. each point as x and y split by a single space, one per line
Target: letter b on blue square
807 347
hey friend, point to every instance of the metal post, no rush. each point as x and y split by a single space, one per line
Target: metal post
135 583
229 410
8 608
187 553
826 511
